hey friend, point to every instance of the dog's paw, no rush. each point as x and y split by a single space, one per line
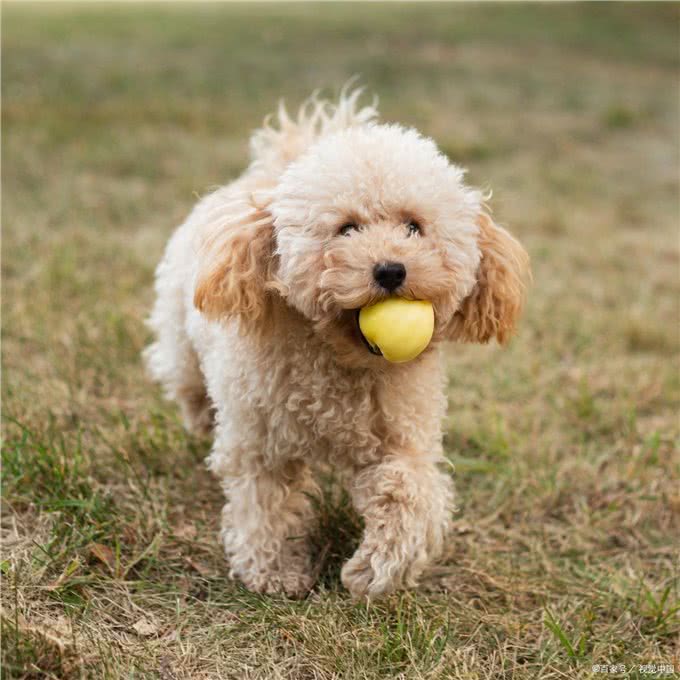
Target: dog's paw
293 584
357 575
380 568
361 578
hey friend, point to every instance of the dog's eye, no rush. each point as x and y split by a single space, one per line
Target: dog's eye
413 228
347 229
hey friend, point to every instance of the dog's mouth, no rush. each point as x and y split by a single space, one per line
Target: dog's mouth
373 349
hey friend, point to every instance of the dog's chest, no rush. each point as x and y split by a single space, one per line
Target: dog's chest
313 403
314 407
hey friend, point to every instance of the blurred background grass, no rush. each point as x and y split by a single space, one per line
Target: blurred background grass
116 117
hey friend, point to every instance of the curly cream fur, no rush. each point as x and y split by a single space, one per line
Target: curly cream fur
494 305
238 256
256 338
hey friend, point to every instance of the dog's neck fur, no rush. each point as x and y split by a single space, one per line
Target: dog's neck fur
335 337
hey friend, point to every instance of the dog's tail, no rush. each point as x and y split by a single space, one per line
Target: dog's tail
274 146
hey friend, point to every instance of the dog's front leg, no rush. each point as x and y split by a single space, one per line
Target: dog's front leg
265 526
406 503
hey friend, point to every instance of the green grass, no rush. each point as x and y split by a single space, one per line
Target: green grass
565 445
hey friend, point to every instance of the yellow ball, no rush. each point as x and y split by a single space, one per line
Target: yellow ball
400 329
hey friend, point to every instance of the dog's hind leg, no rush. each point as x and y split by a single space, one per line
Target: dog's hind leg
195 405
175 365
173 362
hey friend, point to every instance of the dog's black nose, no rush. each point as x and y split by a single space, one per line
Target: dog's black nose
390 275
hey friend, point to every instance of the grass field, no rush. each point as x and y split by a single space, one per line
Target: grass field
565 445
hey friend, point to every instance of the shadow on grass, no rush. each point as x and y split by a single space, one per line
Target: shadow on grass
336 535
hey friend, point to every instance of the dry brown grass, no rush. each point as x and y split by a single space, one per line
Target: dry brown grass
565 444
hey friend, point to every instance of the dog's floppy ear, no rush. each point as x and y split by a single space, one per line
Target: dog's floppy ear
493 307
236 263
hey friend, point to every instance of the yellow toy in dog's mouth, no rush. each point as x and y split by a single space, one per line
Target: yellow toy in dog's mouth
398 329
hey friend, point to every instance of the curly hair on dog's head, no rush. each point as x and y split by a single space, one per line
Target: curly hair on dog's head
271 270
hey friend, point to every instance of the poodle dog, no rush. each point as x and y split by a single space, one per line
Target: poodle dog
257 337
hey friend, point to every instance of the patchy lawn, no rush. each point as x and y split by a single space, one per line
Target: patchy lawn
565 445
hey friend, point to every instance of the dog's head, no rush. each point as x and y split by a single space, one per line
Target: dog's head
364 214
